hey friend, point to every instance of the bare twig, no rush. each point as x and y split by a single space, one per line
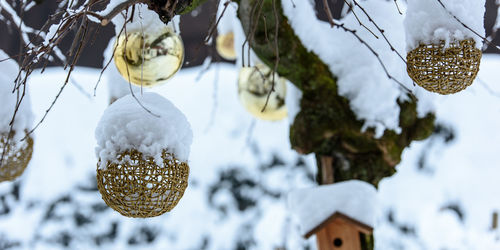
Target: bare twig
357 18
255 13
119 8
72 67
215 22
128 72
382 32
276 54
328 12
397 7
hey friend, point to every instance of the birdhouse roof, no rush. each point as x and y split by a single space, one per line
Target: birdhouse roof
360 226
355 201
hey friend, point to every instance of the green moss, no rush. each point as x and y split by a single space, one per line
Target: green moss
191 6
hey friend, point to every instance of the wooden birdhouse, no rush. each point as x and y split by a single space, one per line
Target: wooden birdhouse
341 215
340 232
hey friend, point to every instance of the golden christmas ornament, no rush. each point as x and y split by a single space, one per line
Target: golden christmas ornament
16 157
444 70
225 46
254 85
149 59
138 187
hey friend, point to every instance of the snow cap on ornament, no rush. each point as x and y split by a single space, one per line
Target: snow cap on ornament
444 55
143 152
147 52
17 151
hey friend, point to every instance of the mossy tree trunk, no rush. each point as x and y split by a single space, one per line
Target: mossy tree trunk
326 125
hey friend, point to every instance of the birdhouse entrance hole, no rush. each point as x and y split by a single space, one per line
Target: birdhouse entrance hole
337 242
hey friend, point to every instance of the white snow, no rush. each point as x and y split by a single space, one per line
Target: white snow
429 23
463 172
9 99
292 101
127 125
144 19
354 198
373 96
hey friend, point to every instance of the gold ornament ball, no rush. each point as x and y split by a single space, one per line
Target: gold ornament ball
444 70
254 85
16 157
149 59
225 46
139 188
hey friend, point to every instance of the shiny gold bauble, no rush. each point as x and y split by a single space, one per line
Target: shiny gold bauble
444 70
149 59
16 157
138 187
225 46
254 85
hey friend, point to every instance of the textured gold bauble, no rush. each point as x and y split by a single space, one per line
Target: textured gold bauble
254 85
225 46
149 59
16 158
140 188
444 70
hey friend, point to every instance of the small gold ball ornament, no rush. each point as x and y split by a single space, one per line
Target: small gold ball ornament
254 85
149 59
16 157
444 70
138 187
225 46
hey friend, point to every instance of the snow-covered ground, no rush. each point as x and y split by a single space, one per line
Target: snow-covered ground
442 197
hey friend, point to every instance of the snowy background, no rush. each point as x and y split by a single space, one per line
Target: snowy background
442 197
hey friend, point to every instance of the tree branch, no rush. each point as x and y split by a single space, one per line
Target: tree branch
326 125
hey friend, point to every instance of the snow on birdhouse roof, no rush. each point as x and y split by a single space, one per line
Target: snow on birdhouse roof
313 206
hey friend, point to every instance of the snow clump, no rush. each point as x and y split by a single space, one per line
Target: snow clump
428 22
126 125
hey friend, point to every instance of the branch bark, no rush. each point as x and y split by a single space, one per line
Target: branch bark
326 125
